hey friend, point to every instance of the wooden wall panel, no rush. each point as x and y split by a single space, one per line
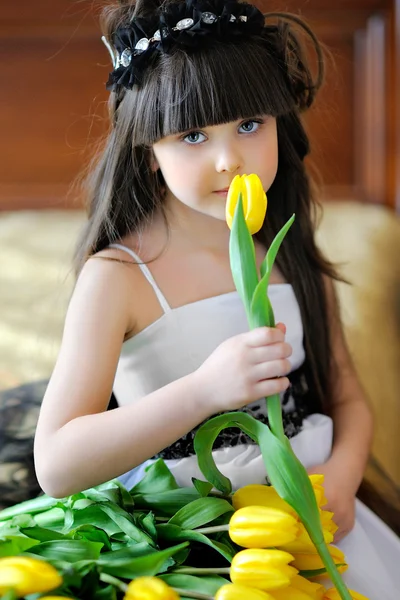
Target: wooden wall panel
52 98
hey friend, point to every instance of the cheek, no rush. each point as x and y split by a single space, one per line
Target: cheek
181 171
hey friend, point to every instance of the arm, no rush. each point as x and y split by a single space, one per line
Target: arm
77 443
352 428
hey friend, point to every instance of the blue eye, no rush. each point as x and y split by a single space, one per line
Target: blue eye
250 126
194 138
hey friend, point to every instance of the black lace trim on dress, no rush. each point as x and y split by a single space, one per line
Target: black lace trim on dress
232 436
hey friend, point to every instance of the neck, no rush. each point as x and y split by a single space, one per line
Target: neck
193 230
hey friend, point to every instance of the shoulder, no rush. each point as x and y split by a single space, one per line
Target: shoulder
106 288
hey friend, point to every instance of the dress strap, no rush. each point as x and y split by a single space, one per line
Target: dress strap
147 273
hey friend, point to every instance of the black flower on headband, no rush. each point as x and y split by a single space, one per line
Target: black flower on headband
187 25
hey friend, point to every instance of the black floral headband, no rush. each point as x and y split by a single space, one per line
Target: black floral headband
184 24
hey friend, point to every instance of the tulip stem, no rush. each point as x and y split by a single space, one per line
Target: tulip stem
202 571
114 581
333 572
274 410
191 594
214 529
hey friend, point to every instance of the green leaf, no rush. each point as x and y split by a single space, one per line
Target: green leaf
242 257
23 521
209 584
129 551
107 593
43 534
96 515
124 520
166 503
158 479
206 436
90 533
148 524
317 572
173 533
52 519
203 487
268 262
68 550
149 564
29 507
261 312
13 545
200 512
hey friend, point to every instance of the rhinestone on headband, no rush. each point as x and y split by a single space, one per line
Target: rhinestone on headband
209 18
130 44
142 45
184 24
125 58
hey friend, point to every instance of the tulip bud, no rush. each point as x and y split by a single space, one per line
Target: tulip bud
149 588
262 527
333 594
260 495
303 543
327 522
234 591
262 569
253 198
290 593
310 561
313 590
27 575
317 482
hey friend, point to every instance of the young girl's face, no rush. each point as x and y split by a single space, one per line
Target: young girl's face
199 165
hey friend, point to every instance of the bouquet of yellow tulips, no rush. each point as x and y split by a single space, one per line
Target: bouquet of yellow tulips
158 540
143 544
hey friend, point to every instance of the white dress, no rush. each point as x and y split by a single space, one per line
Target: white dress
177 344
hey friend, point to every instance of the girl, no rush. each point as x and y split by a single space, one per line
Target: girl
199 94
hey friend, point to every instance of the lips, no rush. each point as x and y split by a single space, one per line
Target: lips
223 191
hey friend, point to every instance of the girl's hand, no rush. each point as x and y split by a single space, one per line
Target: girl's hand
341 497
245 368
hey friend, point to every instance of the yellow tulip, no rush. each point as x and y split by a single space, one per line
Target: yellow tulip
266 495
290 593
260 495
253 198
327 522
262 527
318 485
149 588
27 575
314 590
310 561
234 591
262 569
303 543
332 594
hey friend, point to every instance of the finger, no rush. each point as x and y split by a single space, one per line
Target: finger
271 352
269 387
271 369
281 326
263 336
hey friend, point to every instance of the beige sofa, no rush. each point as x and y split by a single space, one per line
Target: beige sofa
36 280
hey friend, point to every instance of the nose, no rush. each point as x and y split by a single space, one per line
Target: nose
228 159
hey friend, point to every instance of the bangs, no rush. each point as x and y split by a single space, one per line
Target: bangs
224 83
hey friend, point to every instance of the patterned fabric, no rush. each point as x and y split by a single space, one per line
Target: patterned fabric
19 411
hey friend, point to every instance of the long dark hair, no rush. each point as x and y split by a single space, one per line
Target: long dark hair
222 82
